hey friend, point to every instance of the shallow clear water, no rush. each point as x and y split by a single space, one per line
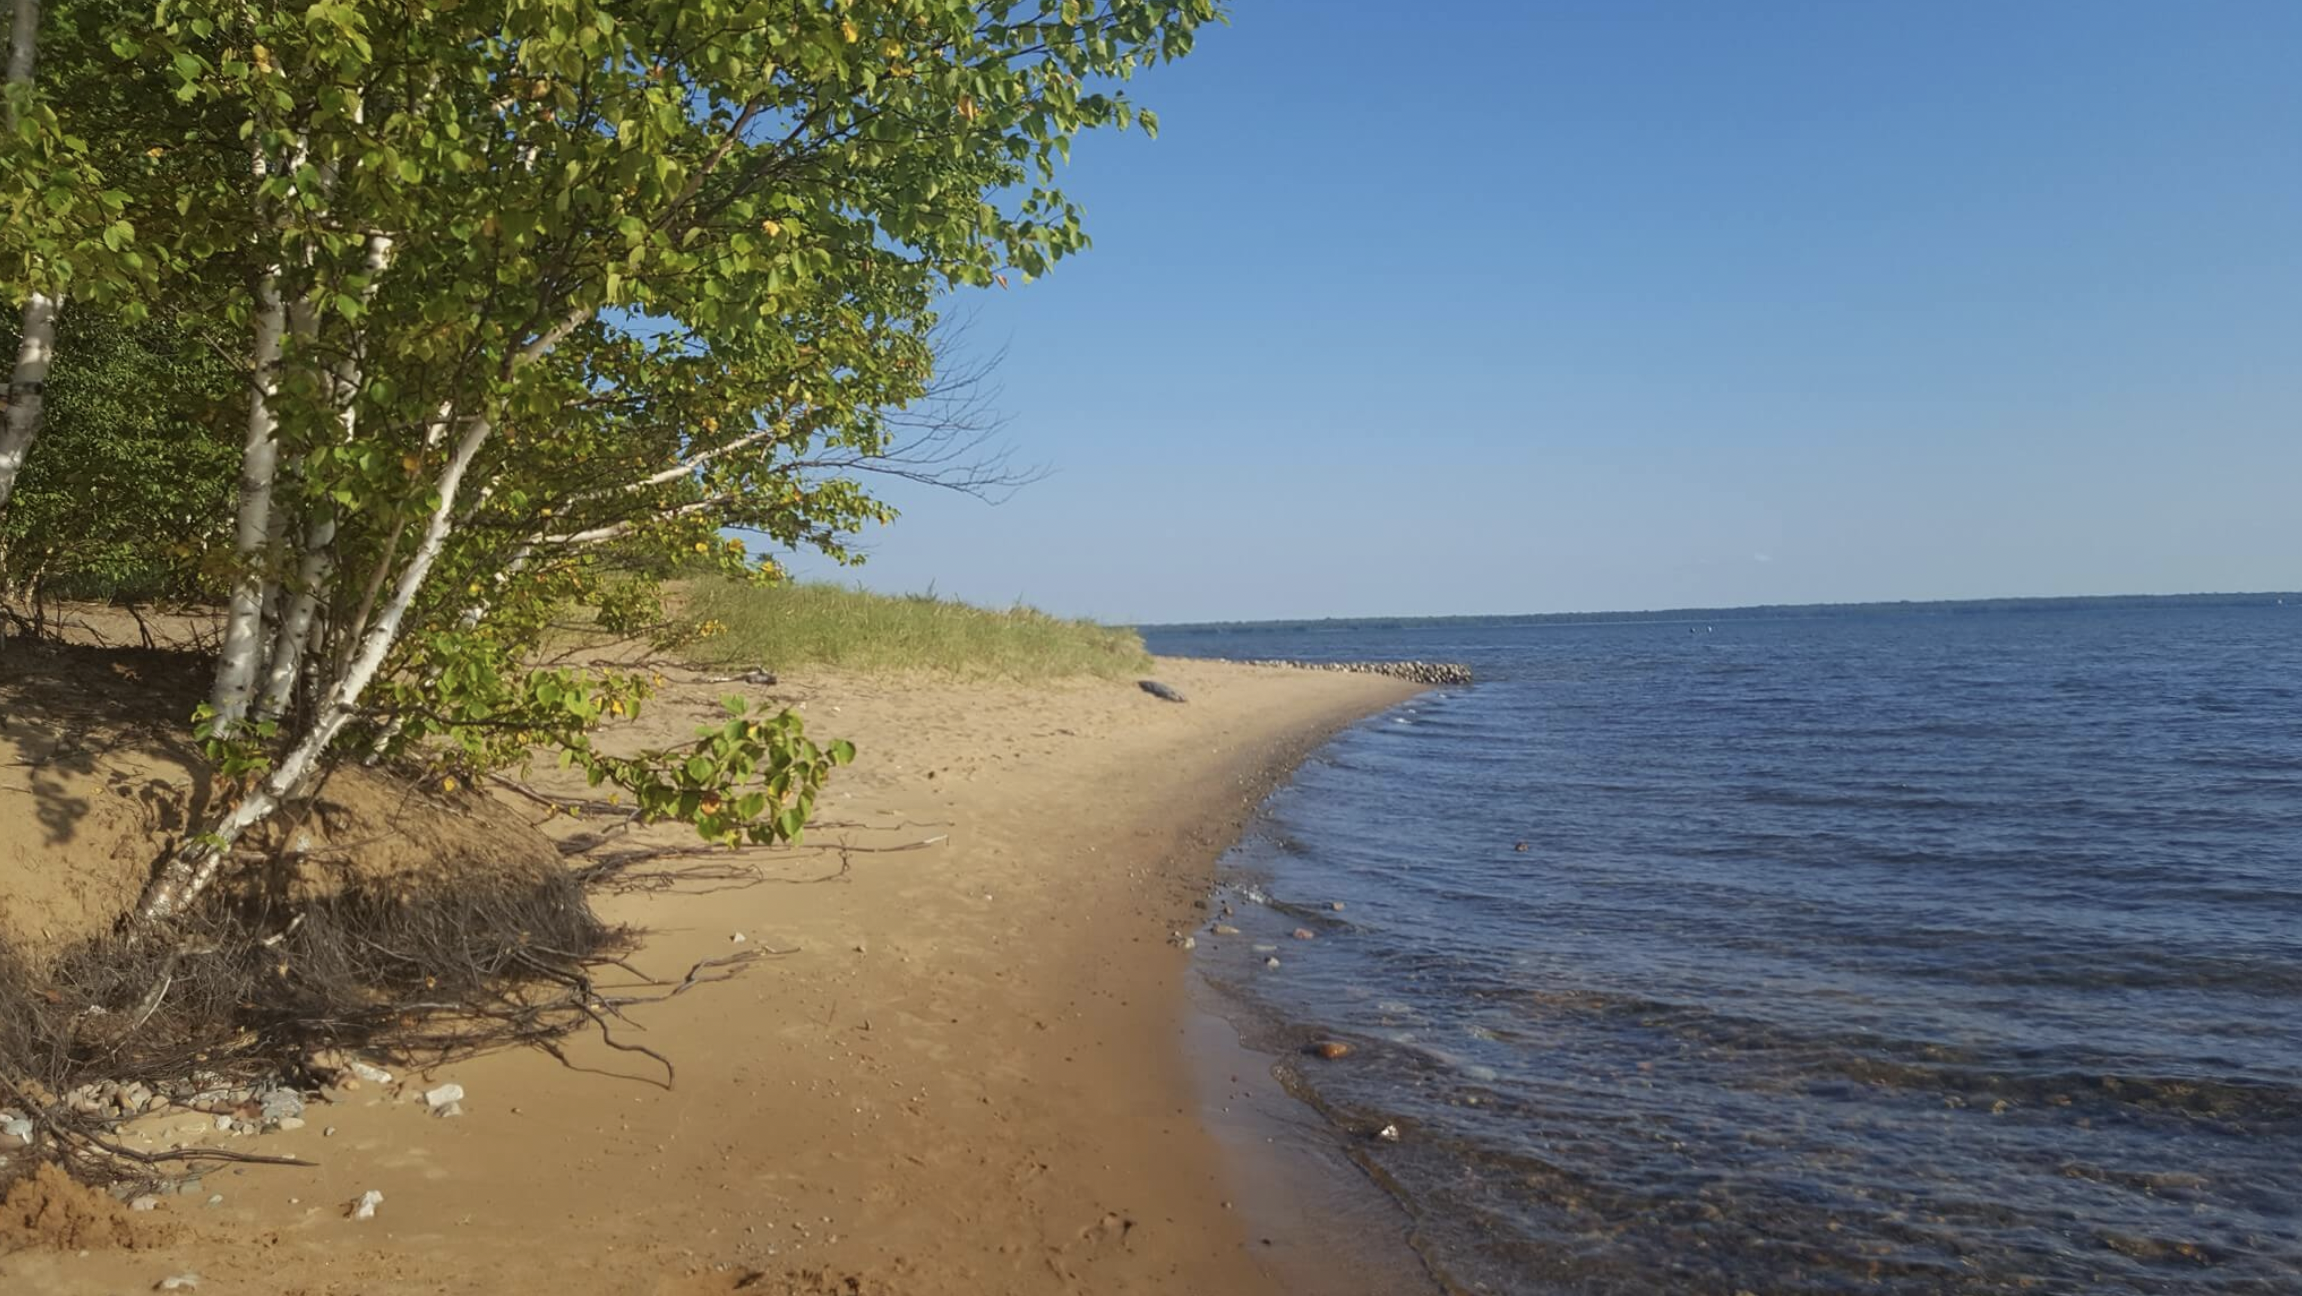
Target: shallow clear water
1892 954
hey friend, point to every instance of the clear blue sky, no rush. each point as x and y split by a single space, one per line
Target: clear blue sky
1534 305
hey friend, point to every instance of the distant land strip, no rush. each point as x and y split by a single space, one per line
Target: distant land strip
1763 612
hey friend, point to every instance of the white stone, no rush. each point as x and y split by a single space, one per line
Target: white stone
365 1207
442 1096
145 1203
371 1074
178 1282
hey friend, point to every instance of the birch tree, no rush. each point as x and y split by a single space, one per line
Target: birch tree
535 286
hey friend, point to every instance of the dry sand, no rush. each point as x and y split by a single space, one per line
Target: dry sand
957 1067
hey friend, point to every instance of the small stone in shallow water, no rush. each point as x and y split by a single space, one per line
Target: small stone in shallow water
1389 1133
1225 929
1332 1050
1270 962
1335 905
1305 933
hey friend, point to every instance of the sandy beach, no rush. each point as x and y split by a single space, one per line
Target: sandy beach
954 1064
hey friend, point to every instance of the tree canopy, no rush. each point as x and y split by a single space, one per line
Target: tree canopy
522 300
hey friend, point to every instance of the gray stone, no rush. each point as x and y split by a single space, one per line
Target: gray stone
280 1104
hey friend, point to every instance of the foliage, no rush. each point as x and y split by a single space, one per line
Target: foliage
130 492
540 294
779 626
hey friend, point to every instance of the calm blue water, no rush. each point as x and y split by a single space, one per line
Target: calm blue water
1905 954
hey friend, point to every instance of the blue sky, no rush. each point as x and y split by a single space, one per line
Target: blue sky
1528 306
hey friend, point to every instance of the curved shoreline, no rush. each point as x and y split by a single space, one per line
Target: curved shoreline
962 1067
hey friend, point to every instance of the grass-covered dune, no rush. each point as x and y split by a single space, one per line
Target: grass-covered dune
784 626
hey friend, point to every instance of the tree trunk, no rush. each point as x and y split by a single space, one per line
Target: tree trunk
242 653
294 641
27 389
194 866
36 345
237 661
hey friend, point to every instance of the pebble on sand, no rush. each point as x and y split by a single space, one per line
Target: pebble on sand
365 1207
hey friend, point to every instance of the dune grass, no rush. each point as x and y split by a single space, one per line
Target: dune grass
779 627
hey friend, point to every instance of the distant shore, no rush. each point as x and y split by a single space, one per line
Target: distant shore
959 1068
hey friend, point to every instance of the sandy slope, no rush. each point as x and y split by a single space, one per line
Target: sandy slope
964 1077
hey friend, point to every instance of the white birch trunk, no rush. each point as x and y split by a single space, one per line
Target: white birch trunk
318 562
36 345
237 661
27 389
259 461
195 865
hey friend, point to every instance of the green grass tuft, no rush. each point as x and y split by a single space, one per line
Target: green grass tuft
779 627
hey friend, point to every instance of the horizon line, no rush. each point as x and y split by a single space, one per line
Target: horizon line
2042 602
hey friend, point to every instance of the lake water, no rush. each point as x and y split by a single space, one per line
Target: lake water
1898 953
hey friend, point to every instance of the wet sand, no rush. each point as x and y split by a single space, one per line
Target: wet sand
961 1061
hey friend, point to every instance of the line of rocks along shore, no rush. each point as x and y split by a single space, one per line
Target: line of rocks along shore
1418 672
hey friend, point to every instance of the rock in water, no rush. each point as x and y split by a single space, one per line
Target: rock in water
1160 691
1332 1050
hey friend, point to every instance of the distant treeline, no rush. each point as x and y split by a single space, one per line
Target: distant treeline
1763 612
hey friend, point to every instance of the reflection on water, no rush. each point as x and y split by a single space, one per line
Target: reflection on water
1891 955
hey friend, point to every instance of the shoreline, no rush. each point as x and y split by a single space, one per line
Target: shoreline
960 1062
